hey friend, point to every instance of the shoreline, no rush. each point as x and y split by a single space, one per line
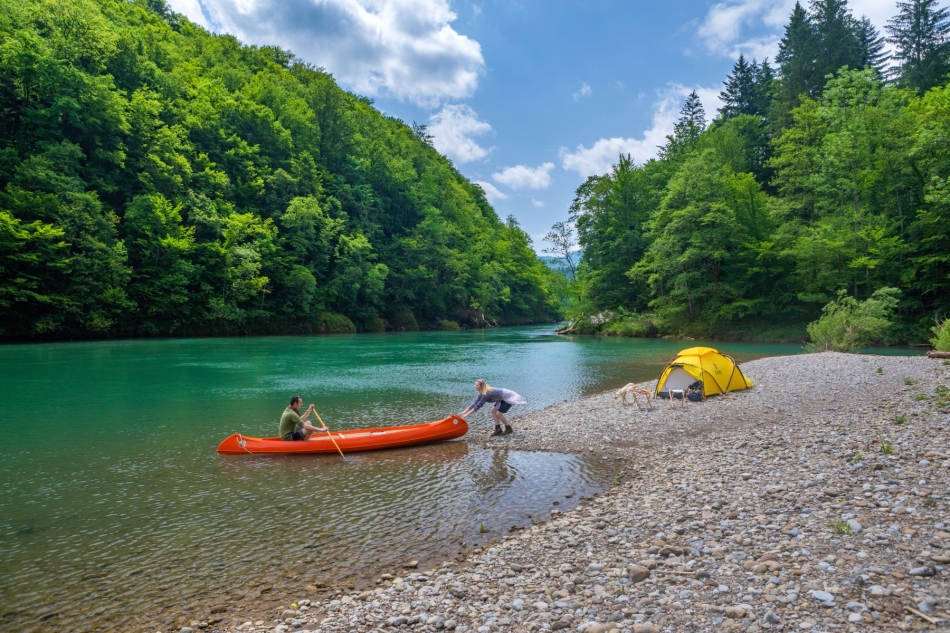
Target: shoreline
185 337
815 501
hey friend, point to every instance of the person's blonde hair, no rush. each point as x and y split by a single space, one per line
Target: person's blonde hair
482 386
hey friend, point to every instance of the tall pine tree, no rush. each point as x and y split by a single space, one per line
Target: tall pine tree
837 41
872 46
764 78
816 44
796 64
920 34
739 95
686 132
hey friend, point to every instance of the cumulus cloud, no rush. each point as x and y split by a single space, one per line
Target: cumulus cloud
598 158
524 177
537 203
725 29
491 191
585 91
452 129
406 49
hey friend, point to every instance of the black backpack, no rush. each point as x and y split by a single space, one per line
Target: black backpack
695 392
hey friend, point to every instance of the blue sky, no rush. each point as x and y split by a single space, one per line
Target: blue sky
526 97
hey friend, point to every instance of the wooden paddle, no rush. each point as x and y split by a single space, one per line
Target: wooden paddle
330 434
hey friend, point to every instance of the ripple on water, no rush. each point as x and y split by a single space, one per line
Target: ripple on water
125 553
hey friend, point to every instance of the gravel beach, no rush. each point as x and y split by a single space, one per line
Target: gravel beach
816 501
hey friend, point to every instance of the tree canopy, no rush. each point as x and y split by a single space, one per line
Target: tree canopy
156 179
839 181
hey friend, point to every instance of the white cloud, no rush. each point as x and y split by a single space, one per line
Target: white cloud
402 48
491 191
585 91
452 129
878 11
524 177
599 157
724 30
537 203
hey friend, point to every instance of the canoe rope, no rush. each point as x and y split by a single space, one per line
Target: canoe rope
243 444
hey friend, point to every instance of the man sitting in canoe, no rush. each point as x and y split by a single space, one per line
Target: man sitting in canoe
293 427
504 399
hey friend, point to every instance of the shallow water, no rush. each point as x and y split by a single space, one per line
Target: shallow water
116 512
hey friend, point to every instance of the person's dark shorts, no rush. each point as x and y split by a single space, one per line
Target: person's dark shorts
296 436
503 407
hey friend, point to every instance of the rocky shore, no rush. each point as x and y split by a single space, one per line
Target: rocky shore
816 501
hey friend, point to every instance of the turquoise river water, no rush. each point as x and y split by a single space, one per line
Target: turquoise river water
116 513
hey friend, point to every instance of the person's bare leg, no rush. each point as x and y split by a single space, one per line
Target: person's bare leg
508 429
309 429
495 415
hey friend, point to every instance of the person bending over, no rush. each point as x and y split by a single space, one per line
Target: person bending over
504 399
293 427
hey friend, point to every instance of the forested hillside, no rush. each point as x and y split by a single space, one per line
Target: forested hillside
829 172
156 179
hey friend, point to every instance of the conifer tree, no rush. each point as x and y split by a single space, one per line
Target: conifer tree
837 41
739 95
872 46
690 125
764 78
796 64
920 33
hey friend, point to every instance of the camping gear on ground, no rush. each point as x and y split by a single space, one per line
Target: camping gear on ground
631 389
450 428
676 394
716 373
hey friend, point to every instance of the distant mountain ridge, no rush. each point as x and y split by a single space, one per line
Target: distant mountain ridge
559 265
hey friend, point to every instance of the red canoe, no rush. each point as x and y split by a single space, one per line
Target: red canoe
450 428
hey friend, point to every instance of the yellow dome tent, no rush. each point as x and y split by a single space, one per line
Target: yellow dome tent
717 372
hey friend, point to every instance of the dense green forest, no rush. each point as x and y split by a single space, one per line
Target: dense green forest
829 172
156 179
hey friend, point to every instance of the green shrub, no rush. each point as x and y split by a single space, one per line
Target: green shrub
634 326
448 326
373 324
941 339
847 324
403 320
584 326
332 323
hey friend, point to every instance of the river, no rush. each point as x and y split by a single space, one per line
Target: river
117 514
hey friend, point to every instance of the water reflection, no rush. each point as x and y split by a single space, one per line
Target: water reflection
283 523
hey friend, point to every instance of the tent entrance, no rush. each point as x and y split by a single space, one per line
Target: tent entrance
678 379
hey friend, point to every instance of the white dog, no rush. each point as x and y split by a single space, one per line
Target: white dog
631 389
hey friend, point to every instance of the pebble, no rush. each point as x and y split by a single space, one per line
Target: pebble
723 518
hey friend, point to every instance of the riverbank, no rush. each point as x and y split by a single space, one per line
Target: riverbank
816 501
645 326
